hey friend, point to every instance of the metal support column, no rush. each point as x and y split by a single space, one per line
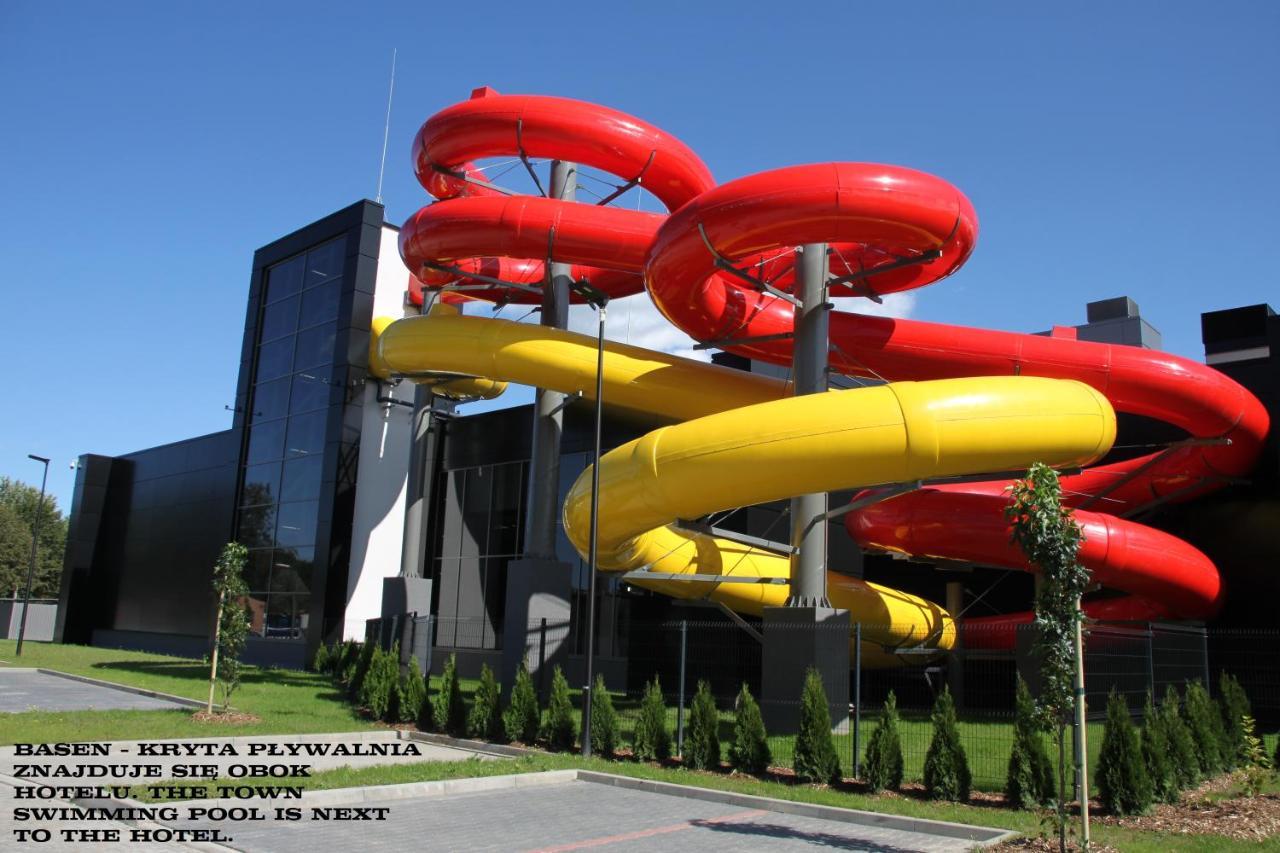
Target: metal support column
548 418
955 665
809 366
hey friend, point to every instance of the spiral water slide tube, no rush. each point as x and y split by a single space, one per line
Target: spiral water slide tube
720 266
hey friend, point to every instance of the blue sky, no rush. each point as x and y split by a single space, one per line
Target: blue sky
148 149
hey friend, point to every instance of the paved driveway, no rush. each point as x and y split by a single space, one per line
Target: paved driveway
30 690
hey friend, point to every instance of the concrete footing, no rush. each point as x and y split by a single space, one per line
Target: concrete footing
796 638
537 590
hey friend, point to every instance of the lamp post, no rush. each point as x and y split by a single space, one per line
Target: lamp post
599 300
35 539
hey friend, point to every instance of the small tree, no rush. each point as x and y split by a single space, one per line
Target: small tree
412 690
749 752
521 719
1050 538
558 728
884 750
702 745
1123 786
1235 707
946 767
1182 746
485 719
231 625
815 753
651 740
1156 755
1203 721
1029 782
604 720
451 711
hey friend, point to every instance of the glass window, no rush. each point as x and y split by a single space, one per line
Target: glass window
261 486
256 525
271 400
279 319
291 570
296 527
274 359
325 261
306 434
285 279
256 602
302 478
266 442
310 392
320 304
257 571
315 346
287 617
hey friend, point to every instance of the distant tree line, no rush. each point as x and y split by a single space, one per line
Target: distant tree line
19 504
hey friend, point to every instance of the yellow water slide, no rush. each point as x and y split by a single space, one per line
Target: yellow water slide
738 439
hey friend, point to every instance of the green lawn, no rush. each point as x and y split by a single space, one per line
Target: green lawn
288 701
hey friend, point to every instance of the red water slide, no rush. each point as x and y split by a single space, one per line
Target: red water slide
720 267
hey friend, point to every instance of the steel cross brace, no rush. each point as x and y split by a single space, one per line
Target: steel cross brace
724 264
634 182
461 273
1148 465
733 536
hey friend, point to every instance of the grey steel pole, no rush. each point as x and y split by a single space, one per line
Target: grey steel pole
1082 736
684 647
593 544
857 700
35 540
809 367
548 418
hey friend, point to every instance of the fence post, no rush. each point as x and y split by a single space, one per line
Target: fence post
857 701
1151 663
684 645
1204 635
431 644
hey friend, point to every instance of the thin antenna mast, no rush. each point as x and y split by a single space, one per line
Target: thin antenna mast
386 130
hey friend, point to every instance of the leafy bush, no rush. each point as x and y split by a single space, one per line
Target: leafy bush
1235 707
412 690
1029 781
356 682
884 749
702 745
450 712
651 739
559 728
1182 746
1121 777
749 752
605 735
1157 756
946 768
1204 722
521 719
1257 767
815 752
323 660
485 719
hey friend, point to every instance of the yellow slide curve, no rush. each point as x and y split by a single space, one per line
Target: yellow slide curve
739 439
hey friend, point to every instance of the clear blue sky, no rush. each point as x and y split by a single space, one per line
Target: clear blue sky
148 148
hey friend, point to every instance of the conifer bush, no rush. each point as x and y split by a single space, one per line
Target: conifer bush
1157 756
946 767
558 728
485 720
1182 746
412 690
1204 722
815 752
884 750
521 719
702 743
356 682
380 681
1121 777
450 712
651 740
1235 707
749 752
322 662
425 719
605 735
1029 781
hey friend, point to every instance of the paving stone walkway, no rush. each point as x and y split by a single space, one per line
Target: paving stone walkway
30 690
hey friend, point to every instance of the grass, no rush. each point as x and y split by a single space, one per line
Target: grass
1027 823
287 701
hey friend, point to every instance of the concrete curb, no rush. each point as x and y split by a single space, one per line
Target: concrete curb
962 831
126 688
504 750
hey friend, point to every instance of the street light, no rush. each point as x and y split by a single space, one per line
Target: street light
35 539
599 300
